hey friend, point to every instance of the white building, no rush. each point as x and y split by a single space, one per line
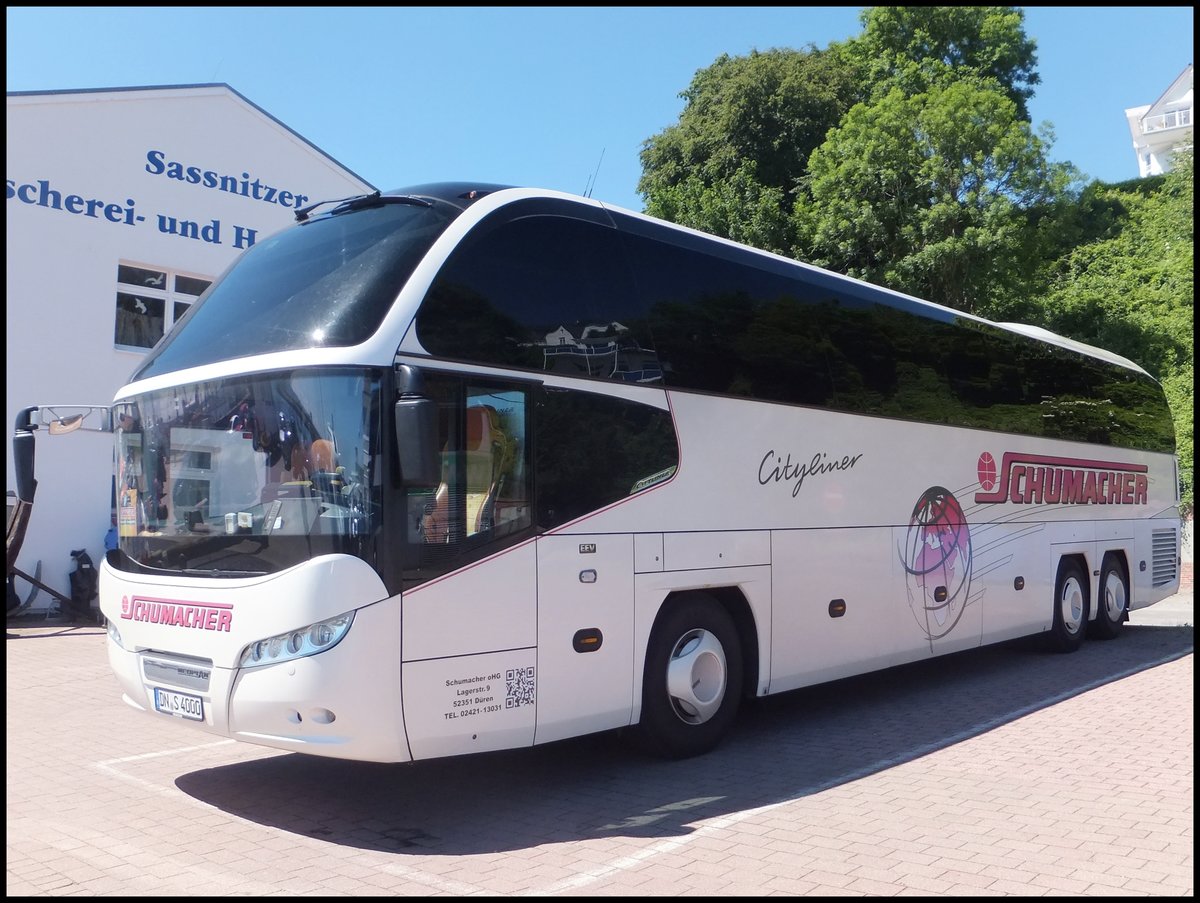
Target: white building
1160 128
123 204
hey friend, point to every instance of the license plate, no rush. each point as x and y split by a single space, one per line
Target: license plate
181 705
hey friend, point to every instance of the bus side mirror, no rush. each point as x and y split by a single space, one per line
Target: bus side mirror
416 442
23 454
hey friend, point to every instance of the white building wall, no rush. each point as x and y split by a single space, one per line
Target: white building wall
61 267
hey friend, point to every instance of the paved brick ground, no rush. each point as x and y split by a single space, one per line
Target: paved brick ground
1004 771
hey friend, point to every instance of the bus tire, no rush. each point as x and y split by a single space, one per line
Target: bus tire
1113 601
693 678
1070 607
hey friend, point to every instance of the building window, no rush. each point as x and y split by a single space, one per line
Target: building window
150 301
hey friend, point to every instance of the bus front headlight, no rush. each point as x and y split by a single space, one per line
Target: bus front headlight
296 643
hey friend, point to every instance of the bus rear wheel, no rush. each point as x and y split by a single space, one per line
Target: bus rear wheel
1113 601
1070 607
693 679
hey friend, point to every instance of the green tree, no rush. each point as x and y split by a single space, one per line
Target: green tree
739 207
1131 291
915 47
902 156
934 194
743 138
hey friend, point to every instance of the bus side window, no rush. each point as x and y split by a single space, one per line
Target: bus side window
484 490
505 505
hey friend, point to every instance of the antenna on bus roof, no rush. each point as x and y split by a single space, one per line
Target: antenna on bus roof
591 183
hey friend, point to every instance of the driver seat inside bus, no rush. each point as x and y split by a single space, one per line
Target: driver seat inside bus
325 475
483 453
485 446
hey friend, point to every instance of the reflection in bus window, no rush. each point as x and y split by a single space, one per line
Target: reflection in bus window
484 490
249 474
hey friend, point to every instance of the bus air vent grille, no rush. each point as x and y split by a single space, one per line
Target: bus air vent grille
1164 547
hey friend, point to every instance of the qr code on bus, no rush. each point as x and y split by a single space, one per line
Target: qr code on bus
520 687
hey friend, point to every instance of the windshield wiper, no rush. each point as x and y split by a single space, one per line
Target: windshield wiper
358 202
218 572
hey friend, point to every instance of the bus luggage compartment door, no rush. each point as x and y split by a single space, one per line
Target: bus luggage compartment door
839 606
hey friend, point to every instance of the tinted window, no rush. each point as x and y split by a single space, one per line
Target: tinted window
327 281
537 289
249 474
483 498
727 321
520 459
593 450
540 292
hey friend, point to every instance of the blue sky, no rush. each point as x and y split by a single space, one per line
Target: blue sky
558 97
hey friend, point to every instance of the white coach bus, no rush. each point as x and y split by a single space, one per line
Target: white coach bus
471 467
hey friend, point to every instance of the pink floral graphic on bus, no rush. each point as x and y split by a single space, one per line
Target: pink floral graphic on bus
937 559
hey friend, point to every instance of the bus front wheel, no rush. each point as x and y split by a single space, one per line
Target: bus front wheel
693 679
1070 607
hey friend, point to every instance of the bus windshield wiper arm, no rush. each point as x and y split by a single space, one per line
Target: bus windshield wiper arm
358 202
219 572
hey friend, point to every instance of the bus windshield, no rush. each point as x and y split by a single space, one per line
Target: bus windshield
329 281
248 475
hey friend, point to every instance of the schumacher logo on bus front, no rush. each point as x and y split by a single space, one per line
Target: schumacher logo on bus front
172 613
1050 480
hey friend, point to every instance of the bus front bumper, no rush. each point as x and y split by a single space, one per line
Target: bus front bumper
343 702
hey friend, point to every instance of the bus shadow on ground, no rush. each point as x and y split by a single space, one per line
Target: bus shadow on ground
782 748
